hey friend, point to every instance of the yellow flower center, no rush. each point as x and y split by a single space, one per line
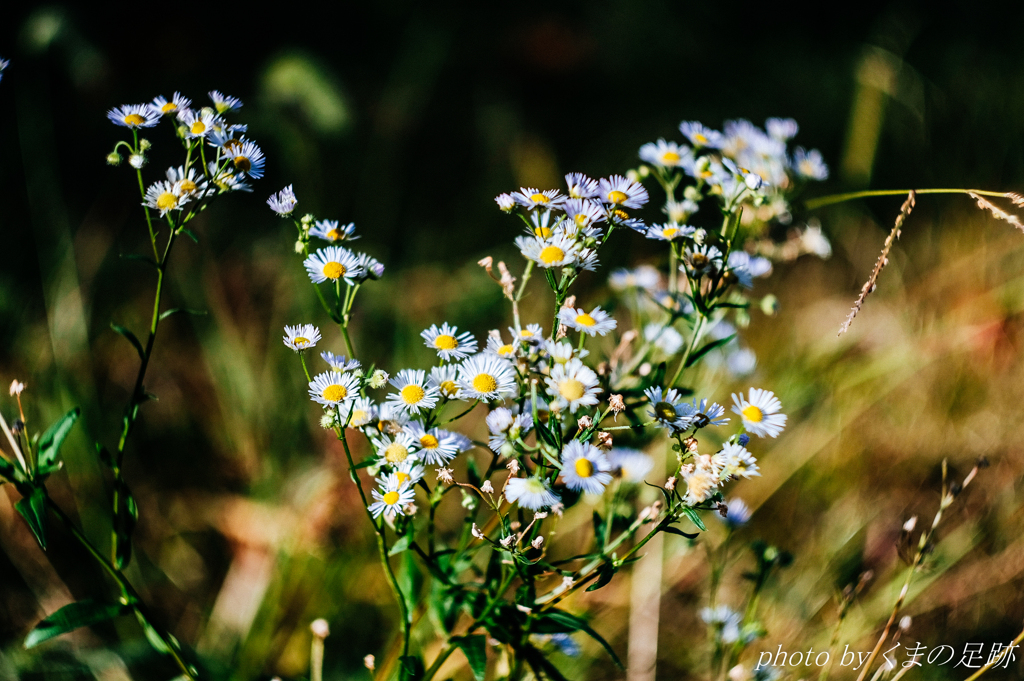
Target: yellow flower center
166 201
506 350
446 342
551 254
402 479
699 260
335 393
665 411
301 340
198 128
334 270
187 186
706 174
539 198
525 333
412 394
571 389
358 417
449 388
584 467
134 119
391 498
616 196
485 383
428 441
621 214
700 139
243 163
753 414
585 320
396 453
334 235
670 158
168 107
542 232
580 219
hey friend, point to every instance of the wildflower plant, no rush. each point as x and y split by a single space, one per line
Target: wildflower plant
559 392
216 159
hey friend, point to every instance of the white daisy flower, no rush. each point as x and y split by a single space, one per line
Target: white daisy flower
496 346
187 184
363 413
247 157
581 186
587 260
448 343
223 103
669 231
171 106
331 230
505 202
679 211
734 461
573 385
531 333
283 202
632 464
486 377
340 363
584 212
528 197
664 338
782 128
226 179
760 414
301 337
134 116
701 136
445 379
391 418
395 449
664 154
737 512
622 192
669 409
414 393
745 267
436 446
701 482
644 276
331 388
198 123
702 259
392 497
809 164
560 352
541 221
592 323
531 493
371 267
703 415
585 468
557 251
505 428
164 197
333 263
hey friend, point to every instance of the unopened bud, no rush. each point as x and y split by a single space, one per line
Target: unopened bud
370 662
145 144
320 628
379 379
537 543
506 542
905 622
300 246
487 487
16 387
910 524
113 159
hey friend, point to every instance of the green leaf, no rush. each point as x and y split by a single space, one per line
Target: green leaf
695 357
598 526
74 616
189 233
33 509
475 648
125 518
538 662
152 635
131 339
410 668
676 530
402 544
174 310
604 575
559 621
368 461
694 518
140 258
53 438
11 471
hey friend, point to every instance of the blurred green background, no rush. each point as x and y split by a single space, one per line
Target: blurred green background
407 118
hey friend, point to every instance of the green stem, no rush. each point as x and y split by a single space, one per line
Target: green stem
348 341
130 594
697 329
831 199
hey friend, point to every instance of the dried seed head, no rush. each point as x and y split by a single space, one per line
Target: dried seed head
616 404
487 487
605 440
537 543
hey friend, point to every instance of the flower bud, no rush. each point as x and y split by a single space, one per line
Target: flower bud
379 379
113 159
145 145
300 246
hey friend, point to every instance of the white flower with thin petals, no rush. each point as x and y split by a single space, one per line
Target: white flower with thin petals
734 461
414 392
592 323
283 202
585 468
445 379
581 186
198 123
394 449
559 250
761 413
392 497
171 106
436 446
331 388
528 197
622 192
531 493
332 231
340 363
487 377
664 154
134 116
448 343
333 263
301 337
632 464
572 385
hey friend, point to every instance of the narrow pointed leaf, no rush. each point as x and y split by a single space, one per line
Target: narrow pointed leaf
33 509
475 649
558 620
695 518
131 339
53 438
695 357
174 310
73 616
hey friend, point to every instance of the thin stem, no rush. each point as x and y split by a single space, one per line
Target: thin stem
697 330
1008 650
823 201
348 341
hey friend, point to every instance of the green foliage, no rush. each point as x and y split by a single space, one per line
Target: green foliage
74 616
